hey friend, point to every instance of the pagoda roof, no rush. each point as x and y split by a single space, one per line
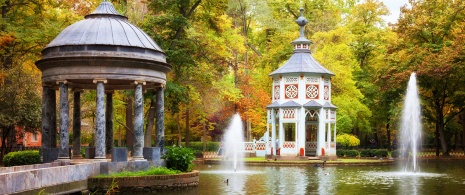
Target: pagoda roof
312 104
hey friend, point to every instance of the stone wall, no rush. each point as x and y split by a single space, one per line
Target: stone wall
41 176
145 184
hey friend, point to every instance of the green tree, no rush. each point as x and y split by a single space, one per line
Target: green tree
432 46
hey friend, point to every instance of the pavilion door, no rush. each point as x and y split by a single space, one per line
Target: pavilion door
311 130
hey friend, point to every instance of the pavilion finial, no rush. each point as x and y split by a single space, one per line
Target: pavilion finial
301 21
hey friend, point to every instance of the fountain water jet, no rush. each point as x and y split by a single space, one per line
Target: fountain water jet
234 142
410 135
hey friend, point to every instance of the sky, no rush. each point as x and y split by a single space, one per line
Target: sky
394 9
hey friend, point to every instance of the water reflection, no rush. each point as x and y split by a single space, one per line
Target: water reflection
445 178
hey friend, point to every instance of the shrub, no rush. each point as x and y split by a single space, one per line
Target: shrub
27 157
151 171
347 140
367 153
340 153
351 153
198 146
179 158
381 153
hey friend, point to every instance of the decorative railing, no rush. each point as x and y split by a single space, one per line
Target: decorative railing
310 145
260 146
289 145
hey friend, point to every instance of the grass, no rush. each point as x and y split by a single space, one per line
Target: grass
148 172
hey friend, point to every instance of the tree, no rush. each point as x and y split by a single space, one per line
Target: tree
432 45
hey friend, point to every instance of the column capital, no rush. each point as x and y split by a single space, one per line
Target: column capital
78 90
136 82
109 91
97 80
61 81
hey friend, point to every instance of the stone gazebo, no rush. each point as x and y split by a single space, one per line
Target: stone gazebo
301 108
103 52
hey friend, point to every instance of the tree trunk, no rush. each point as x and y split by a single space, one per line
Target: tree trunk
129 122
388 134
187 128
150 122
463 130
442 135
178 122
204 136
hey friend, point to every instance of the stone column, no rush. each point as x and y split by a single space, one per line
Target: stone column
109 122
46 117
53 107
64 115
100 126
138 122
77 124
160 116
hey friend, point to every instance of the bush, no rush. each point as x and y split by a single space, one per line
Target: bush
347 140
381 153
347 153
367 153
351 153
340 153
198 146
151 171
374 152
27 157
179 158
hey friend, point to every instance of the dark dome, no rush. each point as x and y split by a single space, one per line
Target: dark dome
103 45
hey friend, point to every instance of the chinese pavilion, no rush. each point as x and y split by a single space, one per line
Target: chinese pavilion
302 118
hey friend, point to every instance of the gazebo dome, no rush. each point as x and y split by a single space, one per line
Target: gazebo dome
103 46
302 61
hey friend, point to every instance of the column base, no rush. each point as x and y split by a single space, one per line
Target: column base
77 157
100 159
64 161
138 158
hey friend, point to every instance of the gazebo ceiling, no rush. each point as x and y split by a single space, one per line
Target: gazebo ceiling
103 46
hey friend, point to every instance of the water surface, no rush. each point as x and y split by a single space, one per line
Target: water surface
436 177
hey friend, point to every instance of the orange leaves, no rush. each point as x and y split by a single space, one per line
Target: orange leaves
6 39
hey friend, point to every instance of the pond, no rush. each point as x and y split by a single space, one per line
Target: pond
435 177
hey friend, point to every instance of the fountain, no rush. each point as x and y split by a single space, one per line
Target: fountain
411 126
234 142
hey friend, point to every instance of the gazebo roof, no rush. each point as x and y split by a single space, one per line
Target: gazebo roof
290 104
273 105
302 60
329 105
312 104
103 46
105 26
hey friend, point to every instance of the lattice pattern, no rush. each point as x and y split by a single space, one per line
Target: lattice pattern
292 91
248 146
291 80
326 95
289 113
310 145
276 92
260 146
313 80
312 91
290 145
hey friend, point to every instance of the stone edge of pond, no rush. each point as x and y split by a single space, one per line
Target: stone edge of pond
144 184
303 163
